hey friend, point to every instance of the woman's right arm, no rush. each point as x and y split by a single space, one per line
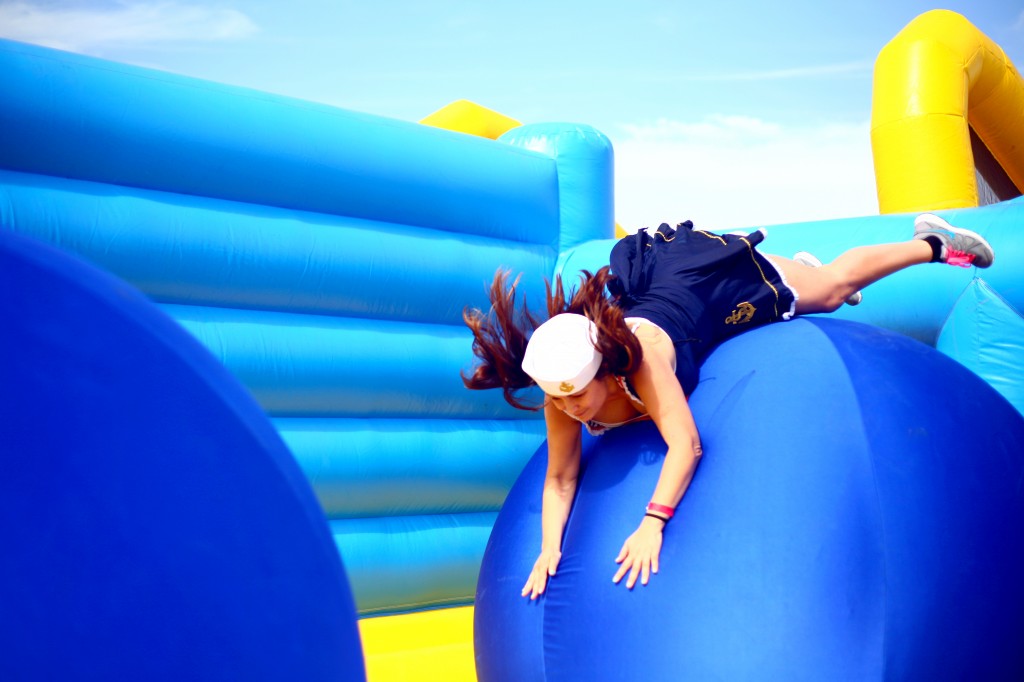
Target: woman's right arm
564 442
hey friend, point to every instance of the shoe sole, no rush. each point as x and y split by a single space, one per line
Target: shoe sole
812 261
807 259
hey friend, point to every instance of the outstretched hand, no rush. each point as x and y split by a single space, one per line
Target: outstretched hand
545 567
639 554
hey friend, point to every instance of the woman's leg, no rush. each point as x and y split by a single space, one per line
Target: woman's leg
824 289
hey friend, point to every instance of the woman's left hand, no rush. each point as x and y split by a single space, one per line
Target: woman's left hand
639 555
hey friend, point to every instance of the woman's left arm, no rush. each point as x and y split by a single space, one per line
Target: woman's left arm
656 384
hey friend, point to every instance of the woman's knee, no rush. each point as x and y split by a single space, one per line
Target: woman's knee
817 304
821 290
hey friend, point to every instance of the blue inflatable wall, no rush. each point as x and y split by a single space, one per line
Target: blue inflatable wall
325 257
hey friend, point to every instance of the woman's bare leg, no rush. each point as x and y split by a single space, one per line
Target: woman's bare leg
824 289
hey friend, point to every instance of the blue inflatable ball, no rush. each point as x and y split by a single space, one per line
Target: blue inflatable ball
857 516
153 526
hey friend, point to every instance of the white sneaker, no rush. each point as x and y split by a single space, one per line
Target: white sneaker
812 262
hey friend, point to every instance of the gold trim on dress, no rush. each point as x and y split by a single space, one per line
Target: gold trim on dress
750 249
712 235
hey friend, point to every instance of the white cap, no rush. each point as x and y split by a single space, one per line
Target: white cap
561 356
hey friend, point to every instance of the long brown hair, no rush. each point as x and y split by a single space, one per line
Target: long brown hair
500 335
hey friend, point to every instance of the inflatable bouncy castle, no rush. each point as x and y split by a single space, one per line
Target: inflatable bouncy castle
238 445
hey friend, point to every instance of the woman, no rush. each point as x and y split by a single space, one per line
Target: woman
604 361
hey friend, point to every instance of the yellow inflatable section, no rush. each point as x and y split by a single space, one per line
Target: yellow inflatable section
464 116
936 80
427 645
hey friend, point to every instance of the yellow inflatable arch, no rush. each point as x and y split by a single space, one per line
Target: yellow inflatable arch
935 82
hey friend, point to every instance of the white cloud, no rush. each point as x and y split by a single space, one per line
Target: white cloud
727 172
123 24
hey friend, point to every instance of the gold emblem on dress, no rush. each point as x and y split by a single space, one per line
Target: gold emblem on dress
566 387
744 313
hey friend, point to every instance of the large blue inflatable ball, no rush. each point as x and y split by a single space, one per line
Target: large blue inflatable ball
153 526
857 516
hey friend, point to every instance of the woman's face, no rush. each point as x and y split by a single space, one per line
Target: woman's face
585 403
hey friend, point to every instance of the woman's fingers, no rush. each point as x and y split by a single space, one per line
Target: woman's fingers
638 560
634 566
536 584
545 566
624 565
635 572
623 569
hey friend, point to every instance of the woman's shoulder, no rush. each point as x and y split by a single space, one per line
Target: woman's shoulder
654 340
645 330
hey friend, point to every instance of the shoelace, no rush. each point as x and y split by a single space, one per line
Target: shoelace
960 259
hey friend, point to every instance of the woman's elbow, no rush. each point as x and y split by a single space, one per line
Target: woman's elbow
562 485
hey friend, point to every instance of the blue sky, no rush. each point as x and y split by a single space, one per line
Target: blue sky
735 114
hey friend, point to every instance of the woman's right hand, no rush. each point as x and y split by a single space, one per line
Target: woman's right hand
545 567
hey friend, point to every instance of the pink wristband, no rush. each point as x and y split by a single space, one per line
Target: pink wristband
661 509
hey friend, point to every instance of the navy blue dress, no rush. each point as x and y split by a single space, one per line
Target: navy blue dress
700 287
